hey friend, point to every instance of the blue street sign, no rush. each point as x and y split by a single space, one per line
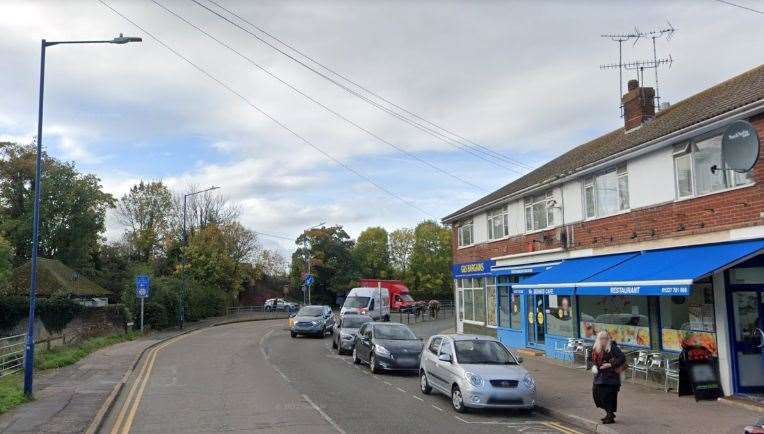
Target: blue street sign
310 280
142 288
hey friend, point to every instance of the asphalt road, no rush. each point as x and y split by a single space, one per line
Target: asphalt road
253 377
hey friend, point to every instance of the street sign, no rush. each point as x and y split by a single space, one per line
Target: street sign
310 280
142 288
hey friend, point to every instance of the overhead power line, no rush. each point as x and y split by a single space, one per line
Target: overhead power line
485 154
740 6
315 101
273 236
264 113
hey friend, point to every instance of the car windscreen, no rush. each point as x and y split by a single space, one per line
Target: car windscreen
356 302
482 352
393 332
354 321
311 311
406 297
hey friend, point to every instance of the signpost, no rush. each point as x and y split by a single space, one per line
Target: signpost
309 281
142 291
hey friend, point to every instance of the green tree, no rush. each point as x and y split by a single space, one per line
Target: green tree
401 247
146 211
329 250
6 266
209 262
371 254
429 274
73 207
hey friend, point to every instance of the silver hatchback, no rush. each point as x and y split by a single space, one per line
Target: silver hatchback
476 372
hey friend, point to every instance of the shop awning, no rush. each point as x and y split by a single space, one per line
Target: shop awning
523 269
667 271
564 277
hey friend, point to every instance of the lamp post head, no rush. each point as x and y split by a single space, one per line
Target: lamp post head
121 39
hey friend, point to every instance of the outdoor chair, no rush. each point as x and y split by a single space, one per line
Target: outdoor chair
671 374
641 364
656 364
567 351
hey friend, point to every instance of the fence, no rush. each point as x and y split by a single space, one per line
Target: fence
446 311
12 354
258 311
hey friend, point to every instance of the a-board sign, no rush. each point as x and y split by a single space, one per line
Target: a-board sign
701 372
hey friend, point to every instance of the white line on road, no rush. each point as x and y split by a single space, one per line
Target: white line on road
416 397
388 383
262 340
436 407
324 415
401 390
461 419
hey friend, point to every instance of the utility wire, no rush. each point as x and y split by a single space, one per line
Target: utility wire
367 90
273 236
740 6
264 113
438 135
319 103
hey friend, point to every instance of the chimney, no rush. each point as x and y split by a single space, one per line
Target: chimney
638 105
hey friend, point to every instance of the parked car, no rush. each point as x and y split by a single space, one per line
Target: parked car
279 304
374 302
313 320
387 347
476 372
345 331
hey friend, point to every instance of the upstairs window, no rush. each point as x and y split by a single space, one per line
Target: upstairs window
498 223
692 168
539 211
466 237
607 193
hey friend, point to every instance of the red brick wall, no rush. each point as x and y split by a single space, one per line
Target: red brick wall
715 212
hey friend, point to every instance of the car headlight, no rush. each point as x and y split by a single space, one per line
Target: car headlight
382 351
315 323
475 379
529 382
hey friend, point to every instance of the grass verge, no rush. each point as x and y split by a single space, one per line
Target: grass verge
11 392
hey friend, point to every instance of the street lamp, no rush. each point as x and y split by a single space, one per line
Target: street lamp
29 349
181 296
307 259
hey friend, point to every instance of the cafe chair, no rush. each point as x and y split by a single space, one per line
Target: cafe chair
640 364
671 374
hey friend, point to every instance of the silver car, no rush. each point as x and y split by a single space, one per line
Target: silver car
476 372
345 330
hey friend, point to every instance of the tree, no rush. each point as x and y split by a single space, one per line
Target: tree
73 207
204 209
6 266
271 263
145 210
401 247
329 250
209 261
112 267
429 274
371 253
242 243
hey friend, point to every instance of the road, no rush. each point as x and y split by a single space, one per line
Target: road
253 377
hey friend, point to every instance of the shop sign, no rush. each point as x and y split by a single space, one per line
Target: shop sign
550 291
635 290
481 268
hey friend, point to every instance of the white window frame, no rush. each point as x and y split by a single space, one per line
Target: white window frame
590 183
466 225
501 214
529 202
469 291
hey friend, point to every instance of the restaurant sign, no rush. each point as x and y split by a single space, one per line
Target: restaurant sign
659 290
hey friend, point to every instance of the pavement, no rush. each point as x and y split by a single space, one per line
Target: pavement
565 393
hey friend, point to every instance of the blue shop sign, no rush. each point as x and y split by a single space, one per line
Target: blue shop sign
635 290
472 269
522 270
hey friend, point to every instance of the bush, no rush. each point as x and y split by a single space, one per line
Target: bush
13 308
57 311
154 315
203 303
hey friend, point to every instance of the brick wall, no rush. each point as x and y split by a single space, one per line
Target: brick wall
715 212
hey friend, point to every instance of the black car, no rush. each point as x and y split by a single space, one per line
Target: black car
313 320
387 346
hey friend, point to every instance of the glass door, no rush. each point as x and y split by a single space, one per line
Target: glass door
748 338
536 327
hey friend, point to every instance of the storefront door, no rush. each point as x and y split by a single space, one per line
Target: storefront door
747 314
536 327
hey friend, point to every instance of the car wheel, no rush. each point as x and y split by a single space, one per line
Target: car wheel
424 385
356 360
457 400
373 364
294 335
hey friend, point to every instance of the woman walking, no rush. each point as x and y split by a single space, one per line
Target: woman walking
608 362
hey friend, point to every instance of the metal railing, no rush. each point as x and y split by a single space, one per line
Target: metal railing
265 311
12 354
423 315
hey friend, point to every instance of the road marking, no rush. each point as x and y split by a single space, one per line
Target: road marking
436 407
323 414
262 341
401 390
416 397
562 428
388 383
459 418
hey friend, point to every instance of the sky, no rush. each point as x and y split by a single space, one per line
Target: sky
522 79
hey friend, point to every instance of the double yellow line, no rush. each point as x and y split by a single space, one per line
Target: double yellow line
558 426
125 418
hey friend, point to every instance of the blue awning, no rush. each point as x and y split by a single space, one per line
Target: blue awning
667 271
562 279
523 269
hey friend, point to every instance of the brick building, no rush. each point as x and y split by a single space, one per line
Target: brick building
643 232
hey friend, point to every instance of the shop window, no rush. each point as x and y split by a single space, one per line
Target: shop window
471 297
607 193
539 211
747 276
692 168
490 303
625 318
498 223
560 315
689 320
503 291
515 318
465 234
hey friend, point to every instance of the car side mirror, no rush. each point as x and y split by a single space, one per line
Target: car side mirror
519 359
445 358
292 314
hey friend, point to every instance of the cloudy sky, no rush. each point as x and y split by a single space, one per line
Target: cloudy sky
520 78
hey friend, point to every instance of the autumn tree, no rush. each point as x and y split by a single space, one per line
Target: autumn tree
329 251
371 254
145 211
429 274
401 246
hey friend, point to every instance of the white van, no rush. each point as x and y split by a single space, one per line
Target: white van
374 302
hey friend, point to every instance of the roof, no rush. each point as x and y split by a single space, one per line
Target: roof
729 95
54 277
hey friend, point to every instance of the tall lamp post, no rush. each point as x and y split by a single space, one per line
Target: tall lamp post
307 259
182 295
29 349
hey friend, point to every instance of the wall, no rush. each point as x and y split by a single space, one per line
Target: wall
91 322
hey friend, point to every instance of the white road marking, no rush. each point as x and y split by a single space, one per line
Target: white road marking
461 419
401 390
436 407
388 383
262 340
324 415
280 373
416 397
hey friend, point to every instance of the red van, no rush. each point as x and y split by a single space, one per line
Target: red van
400 298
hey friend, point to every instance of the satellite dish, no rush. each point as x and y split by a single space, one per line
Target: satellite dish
740 146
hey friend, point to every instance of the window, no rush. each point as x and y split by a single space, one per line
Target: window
503 290
515 319
607 193
692 168
434 346
560 315
498 223
539 211
446 348
625 318
465 234
471 297
689 320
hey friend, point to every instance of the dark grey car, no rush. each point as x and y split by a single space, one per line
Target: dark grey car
313 320
387 346
345 331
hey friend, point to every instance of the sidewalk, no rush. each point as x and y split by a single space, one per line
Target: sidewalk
67 399
565 393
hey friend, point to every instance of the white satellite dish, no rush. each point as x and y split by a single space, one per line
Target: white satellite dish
740 146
